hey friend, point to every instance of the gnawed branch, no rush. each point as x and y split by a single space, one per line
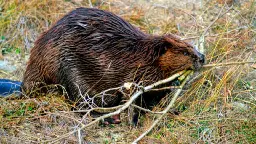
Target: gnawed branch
122 107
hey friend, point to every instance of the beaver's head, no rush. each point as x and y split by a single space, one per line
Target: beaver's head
178 55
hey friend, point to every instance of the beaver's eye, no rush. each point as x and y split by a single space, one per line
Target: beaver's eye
185 53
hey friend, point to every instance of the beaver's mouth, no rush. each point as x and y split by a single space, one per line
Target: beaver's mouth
197 65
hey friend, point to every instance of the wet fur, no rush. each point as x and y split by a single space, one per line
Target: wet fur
95 50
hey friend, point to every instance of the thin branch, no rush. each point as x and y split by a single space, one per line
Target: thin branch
219 16
212 66
166 88
146 110
164 111
90 3
79 136
214 35
164 80
230 63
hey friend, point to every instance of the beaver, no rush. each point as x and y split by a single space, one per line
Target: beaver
91 50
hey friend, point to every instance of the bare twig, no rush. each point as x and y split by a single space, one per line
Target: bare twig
79 136
124 106
164 111
219 16
212 66
215 35
166 88
146 110
90 3
226 64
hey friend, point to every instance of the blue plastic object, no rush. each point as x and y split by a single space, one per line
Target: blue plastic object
8 87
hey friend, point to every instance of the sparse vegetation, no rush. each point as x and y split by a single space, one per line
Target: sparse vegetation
219 106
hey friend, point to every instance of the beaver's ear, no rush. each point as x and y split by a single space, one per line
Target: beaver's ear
169 39
173 41
167 43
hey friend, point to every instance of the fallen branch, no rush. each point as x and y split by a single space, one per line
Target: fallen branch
124 106
165 110
146 110
166 88
212 66
226 64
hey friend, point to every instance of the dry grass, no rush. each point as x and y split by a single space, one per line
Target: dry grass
217 107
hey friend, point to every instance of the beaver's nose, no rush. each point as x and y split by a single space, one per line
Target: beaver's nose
202 58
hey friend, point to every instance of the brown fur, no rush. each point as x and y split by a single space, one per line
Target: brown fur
93 50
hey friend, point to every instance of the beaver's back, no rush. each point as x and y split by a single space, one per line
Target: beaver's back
88 47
